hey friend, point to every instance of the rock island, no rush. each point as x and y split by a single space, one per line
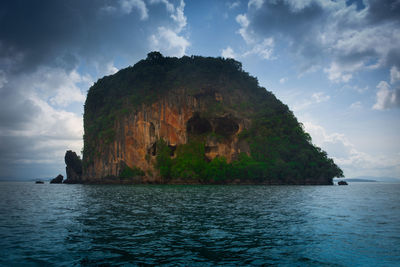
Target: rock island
195 120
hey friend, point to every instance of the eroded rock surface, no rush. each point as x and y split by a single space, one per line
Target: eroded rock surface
174 118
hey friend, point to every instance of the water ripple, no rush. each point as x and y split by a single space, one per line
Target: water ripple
82 225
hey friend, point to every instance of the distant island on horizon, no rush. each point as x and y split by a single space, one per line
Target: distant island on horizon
193 120
376 179
355 180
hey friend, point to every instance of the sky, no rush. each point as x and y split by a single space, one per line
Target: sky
336 64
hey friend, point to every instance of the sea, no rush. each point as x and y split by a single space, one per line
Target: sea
199 225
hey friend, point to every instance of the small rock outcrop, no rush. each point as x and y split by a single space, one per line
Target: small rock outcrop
342 183
57 180
74 168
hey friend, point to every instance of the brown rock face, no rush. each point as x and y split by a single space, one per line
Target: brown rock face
175 118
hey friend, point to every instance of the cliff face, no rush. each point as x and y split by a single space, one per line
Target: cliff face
195 119
175 118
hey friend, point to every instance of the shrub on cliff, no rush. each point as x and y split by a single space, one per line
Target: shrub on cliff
129 172
163 159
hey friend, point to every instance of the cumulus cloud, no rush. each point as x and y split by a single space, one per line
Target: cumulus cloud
256 3
348 37
339 146
320 97
351 160
264 49
228 53
179 16
233 5
314 99
128 5
177 13
337 73
105 68
386 97
53 124
61 86
168 42
55 87
169 6
394 75
34 128
243 31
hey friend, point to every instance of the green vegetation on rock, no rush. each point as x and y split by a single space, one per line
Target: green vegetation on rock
279 164
128 172
280 151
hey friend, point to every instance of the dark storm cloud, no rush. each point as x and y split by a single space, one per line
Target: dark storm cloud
62 32
21 158
40 29
393 58
47 49
352 35
355 56
384 10
16 115
278 17
295 27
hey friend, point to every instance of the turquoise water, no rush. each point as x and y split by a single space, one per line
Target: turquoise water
90 225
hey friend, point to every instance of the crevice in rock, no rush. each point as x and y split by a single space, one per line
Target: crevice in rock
225 126
197 125
209 149
172 148
152 150
152 130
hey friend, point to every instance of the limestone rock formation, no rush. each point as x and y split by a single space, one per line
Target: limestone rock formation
193 119
73 168
173 118
57 180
